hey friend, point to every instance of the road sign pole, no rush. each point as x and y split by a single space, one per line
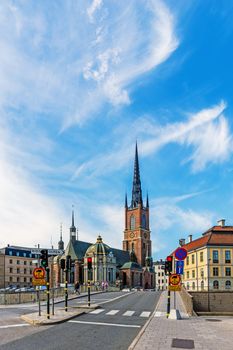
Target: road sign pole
89 293
66 291
168 297
48 293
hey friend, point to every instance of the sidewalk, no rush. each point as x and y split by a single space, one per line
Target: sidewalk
206 333
60 315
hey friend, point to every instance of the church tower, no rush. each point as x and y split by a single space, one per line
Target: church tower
137 229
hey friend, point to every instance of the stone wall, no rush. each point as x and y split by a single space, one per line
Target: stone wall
218 301
187 300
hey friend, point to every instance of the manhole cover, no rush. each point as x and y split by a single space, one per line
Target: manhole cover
182 343
213 320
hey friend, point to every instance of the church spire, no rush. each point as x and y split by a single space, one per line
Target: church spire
136 191
147 201
126 201
61 243
72 227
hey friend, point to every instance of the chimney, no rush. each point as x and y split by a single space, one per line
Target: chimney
181 242
221 222
190 238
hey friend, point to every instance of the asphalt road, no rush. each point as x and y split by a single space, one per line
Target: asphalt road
113 326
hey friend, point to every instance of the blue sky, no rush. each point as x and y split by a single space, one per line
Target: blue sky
80 82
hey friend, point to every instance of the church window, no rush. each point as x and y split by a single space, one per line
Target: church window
143 221
132 222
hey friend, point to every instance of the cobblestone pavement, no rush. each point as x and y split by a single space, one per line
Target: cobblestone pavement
206 333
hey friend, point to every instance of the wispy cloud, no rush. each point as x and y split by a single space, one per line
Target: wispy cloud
71 78
205 133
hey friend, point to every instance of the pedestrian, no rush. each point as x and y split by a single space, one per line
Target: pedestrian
76 287
106 286
103 285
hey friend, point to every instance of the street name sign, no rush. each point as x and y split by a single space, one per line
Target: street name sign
180 253
50 251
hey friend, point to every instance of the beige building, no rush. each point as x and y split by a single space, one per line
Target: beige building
16 266
208 265
161 280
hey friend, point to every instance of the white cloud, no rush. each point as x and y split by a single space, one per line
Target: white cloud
206 133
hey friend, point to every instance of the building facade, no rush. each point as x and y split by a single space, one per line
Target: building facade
161 280
209 263
16 267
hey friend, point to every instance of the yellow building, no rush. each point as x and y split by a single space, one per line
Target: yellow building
208 265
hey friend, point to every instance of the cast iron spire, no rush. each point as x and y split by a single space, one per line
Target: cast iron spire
136 191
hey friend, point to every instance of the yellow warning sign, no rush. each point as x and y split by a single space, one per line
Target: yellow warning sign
39 273
174 279
176 288
38 282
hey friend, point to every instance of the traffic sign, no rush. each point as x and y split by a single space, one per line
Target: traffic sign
38 282
180 267
50 251
175 288
174 279
180 253
38 273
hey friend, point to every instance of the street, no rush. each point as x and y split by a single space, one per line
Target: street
112 326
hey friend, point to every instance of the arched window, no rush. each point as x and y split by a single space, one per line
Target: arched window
132 222
228 285
202 285
215 284
143 221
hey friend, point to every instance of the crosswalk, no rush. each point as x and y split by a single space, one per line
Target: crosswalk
127 313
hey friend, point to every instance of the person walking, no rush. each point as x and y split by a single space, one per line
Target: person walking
76 287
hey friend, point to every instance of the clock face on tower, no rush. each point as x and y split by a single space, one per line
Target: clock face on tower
132 235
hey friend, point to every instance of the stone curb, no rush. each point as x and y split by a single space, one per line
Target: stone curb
136 339
59 319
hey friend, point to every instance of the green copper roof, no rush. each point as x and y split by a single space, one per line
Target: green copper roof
132 266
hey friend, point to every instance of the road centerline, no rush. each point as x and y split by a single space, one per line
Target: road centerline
106 324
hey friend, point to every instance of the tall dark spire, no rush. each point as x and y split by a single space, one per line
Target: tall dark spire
126 201
136 191
147 201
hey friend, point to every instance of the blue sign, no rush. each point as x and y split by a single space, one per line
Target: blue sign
180 253
180 267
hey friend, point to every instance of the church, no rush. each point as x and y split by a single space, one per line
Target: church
132 266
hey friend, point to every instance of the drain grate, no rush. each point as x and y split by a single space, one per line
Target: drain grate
213 320
182 343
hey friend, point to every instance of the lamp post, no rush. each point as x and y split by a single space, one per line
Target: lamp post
208 286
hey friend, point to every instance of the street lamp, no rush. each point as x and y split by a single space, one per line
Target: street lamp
208 281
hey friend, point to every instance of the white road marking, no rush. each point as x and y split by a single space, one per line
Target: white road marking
128 313
112 312
145 314
107 324
121 296
14 325
96 312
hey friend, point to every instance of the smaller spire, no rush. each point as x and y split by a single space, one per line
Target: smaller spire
147 201
72 215
61 243
126 201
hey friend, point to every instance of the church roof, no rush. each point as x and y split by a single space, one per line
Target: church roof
121 256
99 247
131 265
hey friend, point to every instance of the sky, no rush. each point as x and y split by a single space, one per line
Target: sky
80 82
